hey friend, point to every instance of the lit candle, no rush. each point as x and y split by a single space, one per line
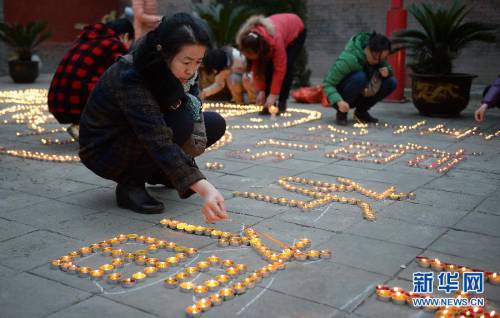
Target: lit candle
129 257
204 303
437 265
191 271
150 271
227 263
96 274
191 252
451 267
200 291
140 259
132 237
232 271
55 264
128 282
84 271
223 279
214 260
162 266
325 254
249 283
182 276
256 277
181 257
186 287
152 249
117 262
172 260
170 246
86 251
193 311
107 268
239 288
399 298
384 294
494 278
117 253
222 242
139 276
211 284
106 251
226 293
279 265
423 261
242 268
151 261
216 299
203 266
313 255
171 282
264 272
114 278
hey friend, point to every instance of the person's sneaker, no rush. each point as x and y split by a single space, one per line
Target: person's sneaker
341 118
365 118
74 131
136 198
265 112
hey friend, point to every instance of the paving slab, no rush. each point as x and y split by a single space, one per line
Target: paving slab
480 223
40 296
11 229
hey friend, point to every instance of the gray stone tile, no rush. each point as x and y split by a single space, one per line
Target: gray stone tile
448 200
230 166
480 223
289 233
491 204
384 257
398 231
99 307
33 249
254 208
10 229
327 283
7 272
100 199
412 212
48 213
12 200
459 185
473 245
39 296
98 226
52 189
261 302
266 171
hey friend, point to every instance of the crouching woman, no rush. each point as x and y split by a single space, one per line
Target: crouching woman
143 121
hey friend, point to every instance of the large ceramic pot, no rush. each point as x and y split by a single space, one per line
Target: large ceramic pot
441 95
23 71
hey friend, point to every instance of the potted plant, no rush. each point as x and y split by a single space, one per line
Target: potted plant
436 90
23 40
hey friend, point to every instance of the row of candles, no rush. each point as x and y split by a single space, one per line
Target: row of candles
307 116
321 190
214 165
359 132
277 261
400 296
286 144
437 265
247 154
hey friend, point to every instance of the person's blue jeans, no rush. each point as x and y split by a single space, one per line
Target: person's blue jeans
353 85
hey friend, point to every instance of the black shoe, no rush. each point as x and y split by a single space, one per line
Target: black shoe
341 118
265 112
136 198
364 117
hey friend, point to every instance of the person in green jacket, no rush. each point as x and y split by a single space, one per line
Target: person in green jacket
360 77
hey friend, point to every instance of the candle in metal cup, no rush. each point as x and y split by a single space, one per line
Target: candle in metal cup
140 259
214 260
171 282
114 278
223 279
239 288
84 271
423 261
216 299
129 257
151 261
96 274
139 276
117 262
211 284
203 266
162 266
191 252
384 294
232 271
182 276
150 271
86 251
249 283
227 293
192 271
55 264
325 254
399 298
494 278
299 256
186 287
193 311
437 265
128 282
107 268
227 263
181 257
313 255
172 260
204 303
200 291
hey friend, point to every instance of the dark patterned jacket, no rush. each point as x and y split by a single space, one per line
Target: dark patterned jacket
123 121
95 49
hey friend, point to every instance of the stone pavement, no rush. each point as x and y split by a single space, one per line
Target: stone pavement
49 209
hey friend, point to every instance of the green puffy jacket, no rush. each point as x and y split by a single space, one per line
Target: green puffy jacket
351 60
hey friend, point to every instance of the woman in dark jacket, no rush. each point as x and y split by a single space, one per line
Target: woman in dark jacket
143 121
491 98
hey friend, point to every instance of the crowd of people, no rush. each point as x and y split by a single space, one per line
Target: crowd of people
136 108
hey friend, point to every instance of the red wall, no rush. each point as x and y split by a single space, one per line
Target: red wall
61 15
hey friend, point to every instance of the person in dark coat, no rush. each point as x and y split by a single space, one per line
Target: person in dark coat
491 98
143 121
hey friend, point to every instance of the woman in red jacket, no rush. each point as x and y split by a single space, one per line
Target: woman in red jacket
272 46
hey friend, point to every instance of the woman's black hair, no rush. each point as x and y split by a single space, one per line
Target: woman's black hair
253 42
158 47
217 60
122 26
379 42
